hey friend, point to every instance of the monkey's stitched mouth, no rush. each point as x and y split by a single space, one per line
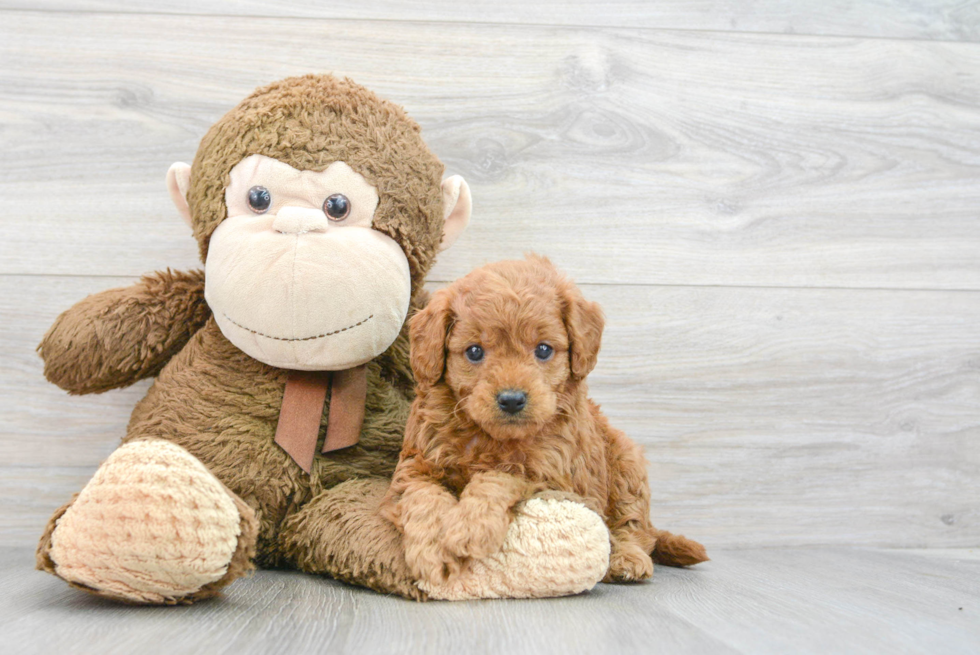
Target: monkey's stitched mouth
316 336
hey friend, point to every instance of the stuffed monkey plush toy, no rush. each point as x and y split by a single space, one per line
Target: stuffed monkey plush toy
282 371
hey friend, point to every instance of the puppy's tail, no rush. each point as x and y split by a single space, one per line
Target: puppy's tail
677 550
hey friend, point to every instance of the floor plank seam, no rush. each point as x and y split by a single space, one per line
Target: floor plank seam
124 278
568 26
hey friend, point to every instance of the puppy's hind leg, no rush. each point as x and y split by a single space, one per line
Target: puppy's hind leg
632 537
635 543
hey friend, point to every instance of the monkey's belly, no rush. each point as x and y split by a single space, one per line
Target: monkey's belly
223 407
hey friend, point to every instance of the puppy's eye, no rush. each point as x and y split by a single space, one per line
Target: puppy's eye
544 352
474 353
336 207
259 199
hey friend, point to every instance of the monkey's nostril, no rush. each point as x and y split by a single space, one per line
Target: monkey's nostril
511 400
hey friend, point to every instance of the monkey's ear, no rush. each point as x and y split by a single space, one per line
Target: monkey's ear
178 181
427 331
459 205
584 322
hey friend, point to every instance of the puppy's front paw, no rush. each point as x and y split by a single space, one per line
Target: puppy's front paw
468 537
628 563
432 563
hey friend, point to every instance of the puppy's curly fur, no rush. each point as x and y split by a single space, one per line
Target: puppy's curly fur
467 460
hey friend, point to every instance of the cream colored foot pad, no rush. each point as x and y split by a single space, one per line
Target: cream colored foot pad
553 548
152 525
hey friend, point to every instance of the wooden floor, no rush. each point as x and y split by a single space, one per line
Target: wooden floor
751 601
776 202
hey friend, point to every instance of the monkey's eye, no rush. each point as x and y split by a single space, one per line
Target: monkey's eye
336 207
544 352
259 199
474 353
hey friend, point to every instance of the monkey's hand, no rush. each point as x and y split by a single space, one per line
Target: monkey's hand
117 337
553 547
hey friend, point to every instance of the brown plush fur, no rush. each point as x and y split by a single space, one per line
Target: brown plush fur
465 463
126 334
310 122
223 406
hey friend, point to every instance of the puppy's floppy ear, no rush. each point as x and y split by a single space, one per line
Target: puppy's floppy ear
584 322
427 332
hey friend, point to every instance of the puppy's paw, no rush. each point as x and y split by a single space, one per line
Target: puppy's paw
467 537
432 563
628 563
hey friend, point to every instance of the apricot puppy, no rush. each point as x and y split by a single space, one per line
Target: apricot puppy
502 414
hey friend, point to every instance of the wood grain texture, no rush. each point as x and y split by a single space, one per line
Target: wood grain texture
757 601
707 187
634 156
769 416
951 20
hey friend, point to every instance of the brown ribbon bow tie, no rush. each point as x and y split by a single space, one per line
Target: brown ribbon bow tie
302 408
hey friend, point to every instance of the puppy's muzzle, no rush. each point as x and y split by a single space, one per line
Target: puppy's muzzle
511 401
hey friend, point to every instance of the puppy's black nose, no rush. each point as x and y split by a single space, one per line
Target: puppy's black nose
511 400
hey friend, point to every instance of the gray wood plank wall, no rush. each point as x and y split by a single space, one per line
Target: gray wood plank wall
949 20
778 209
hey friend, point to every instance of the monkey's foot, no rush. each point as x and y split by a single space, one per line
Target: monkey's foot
152 526
553 548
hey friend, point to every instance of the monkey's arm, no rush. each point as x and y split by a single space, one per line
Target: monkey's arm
114 338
